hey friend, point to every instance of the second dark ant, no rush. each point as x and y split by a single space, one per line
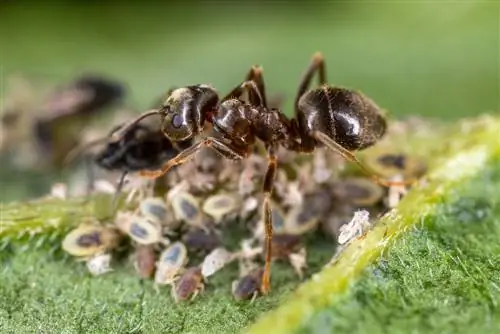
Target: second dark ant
140 148
341 119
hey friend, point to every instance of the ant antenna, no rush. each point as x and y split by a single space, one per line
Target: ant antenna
82 148
328 142
121 132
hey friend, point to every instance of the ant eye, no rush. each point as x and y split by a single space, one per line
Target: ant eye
177 121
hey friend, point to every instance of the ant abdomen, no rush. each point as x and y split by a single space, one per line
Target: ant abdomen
348 117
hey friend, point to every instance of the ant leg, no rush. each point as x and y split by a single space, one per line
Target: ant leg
214 143
317 64
255 74
272 166
349 156
255 94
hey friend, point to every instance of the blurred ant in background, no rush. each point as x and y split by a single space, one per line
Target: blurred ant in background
341 119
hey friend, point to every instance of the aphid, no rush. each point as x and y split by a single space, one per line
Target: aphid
141 229
87 240
170 263
358 225
99 264
187 208
201 240
145 260
220 205
341 119
189 285
215 261
390 163
248 286
154 208
358 191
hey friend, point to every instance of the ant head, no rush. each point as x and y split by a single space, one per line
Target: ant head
184 111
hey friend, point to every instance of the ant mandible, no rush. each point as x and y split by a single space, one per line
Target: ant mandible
341 119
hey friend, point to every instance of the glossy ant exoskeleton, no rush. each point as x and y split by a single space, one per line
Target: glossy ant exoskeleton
341 119
140 148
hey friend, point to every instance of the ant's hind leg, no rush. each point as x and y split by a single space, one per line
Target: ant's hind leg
268 223
211 142
317 64
349 156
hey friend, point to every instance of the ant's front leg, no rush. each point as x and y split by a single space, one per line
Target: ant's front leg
317 64
268 222
224 149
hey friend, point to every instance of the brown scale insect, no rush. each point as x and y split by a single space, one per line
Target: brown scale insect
189 285
145 260
341 119
248 286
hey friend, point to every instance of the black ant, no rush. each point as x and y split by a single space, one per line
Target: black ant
340 119
140 148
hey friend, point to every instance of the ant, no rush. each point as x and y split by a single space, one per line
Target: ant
341 119
140 148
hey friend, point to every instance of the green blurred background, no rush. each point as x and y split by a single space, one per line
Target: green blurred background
438 59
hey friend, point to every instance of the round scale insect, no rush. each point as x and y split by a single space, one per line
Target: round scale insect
390 163
141 229
171 261
248 286
187 208
358 191
220 205
89 239
189 285
154 208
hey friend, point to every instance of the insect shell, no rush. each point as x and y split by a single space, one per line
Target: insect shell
248 286
360 192
170 263
221 205
189 285
187 208
154 208
88 240
99 264
145 260
142 230
390 163
215 261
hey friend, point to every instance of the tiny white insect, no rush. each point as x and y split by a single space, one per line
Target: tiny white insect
215 261
356 227
99 264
